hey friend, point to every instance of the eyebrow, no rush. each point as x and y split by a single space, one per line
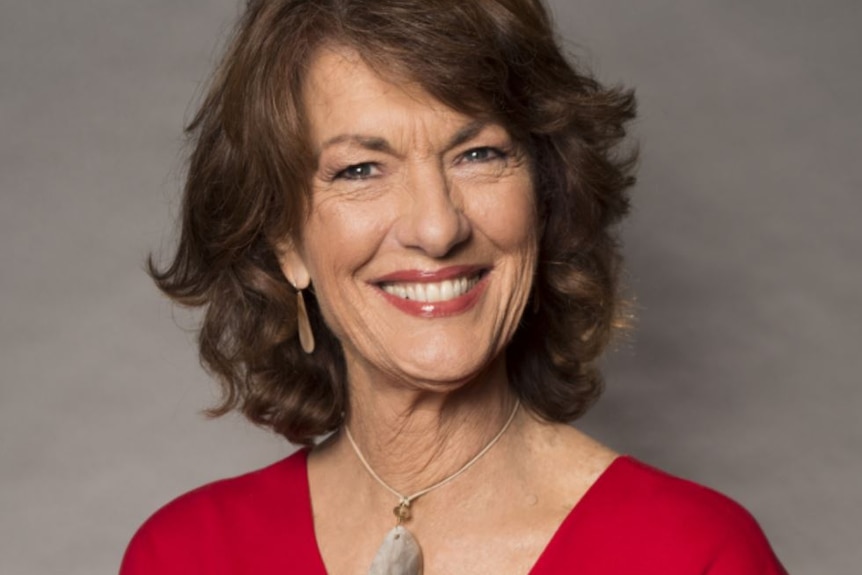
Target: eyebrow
378 144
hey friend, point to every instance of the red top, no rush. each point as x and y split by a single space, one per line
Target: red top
633 520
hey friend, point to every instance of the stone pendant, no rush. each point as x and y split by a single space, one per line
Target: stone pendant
399 554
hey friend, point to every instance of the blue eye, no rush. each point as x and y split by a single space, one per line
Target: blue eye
357 172
484 154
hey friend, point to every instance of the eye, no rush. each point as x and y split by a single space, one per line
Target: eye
483 154
361 171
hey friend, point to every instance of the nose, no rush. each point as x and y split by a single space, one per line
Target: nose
432 220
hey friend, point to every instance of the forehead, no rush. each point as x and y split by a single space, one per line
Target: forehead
342 92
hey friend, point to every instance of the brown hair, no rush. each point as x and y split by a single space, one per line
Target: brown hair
248 183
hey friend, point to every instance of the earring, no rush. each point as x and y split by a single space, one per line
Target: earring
306 336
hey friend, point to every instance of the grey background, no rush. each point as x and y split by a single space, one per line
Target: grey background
743 253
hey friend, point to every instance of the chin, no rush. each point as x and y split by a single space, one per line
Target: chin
445 371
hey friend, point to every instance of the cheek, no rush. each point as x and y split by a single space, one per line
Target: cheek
339 238
331 223
508 217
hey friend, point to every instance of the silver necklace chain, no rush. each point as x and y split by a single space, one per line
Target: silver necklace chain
405 501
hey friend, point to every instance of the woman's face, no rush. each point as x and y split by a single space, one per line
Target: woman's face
421 241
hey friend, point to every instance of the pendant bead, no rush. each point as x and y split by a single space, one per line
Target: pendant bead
402 512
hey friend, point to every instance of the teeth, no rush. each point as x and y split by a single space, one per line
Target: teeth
447 290
431 292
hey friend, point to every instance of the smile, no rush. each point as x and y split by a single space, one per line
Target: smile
432 292
441 293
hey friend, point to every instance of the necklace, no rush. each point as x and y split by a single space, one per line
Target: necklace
400 554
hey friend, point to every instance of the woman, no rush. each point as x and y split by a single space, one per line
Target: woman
398 216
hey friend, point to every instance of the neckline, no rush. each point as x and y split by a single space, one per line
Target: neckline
547 554
579 510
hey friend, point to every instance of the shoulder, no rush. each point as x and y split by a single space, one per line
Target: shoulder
253 495
238 511
673 500
659 523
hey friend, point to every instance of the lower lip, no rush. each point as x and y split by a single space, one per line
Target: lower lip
435 309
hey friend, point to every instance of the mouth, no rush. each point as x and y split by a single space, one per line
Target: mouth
432 292
441 293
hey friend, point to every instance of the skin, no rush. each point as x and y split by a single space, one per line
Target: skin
405 183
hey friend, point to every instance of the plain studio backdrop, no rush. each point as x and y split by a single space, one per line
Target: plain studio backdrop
743 252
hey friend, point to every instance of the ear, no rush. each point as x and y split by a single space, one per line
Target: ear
292 264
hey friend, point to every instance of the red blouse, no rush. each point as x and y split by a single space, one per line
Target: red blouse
635 520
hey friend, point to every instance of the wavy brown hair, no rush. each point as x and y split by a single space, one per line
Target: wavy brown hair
248 187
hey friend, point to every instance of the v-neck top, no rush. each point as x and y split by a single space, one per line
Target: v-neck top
633 520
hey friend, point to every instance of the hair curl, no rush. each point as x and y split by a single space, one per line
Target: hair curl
248 186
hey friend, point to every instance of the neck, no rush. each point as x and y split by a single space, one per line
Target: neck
413 438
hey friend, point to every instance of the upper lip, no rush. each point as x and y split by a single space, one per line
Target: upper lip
430 276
